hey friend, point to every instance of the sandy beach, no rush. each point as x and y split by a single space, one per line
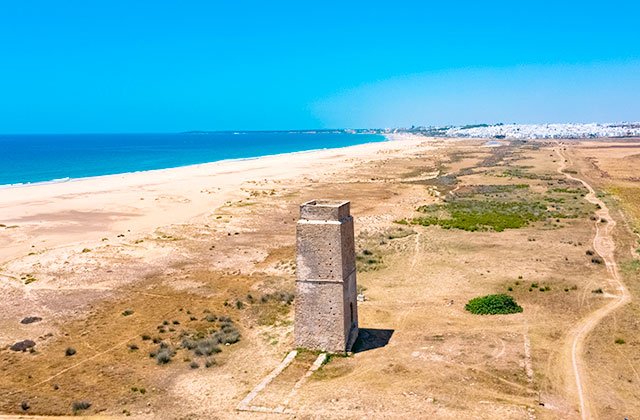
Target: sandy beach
81 212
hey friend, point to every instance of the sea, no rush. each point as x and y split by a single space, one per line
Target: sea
28 159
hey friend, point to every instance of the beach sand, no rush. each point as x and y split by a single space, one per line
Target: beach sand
83 211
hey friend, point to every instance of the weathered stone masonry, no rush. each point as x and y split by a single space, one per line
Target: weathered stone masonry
326 313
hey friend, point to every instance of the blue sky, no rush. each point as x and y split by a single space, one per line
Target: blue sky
158 66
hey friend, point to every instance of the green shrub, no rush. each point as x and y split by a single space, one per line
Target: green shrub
493 305
619 341
164 355
81 405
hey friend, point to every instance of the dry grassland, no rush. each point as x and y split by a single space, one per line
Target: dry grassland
440 361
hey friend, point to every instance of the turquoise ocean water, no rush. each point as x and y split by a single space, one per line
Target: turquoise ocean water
40 158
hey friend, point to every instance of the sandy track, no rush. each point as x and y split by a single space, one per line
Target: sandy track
604 246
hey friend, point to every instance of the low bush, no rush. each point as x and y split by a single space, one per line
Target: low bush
81 405
23 345
30 320
70 351
164 354
493 305
281 297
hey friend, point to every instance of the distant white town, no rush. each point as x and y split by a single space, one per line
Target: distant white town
536 131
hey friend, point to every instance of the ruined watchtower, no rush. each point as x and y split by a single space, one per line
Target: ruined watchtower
326 314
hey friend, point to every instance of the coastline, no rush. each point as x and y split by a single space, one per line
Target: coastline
82 211
383 138
70 179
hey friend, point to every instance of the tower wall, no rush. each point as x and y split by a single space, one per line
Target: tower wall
326 313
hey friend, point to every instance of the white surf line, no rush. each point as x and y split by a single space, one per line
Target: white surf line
605 247
245 403
315 366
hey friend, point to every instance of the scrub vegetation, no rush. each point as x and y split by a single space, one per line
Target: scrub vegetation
493 305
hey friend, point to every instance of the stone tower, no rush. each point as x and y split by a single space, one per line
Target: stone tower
326 312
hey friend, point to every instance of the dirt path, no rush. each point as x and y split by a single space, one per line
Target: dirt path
604 246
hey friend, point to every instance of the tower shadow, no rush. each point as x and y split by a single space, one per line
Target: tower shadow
371 338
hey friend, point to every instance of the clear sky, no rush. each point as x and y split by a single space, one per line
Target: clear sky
157 66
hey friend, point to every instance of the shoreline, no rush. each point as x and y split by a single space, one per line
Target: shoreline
82 211
386 138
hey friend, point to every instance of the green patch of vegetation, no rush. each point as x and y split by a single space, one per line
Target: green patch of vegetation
567 190
127 312
619 341
491 189
85 250
631 267
500 207
493 305
479 215
598 291
519 172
